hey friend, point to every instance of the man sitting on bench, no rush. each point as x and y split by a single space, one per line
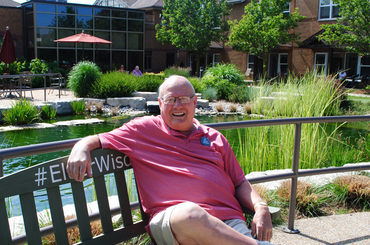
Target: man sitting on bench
188 177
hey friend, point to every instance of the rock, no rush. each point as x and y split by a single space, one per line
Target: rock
138 103
149 96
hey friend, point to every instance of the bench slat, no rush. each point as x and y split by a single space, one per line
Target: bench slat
104 210
56 210
81 210
30 220
123 198
5 236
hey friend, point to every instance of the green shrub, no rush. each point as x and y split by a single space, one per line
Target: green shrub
149 83
224 78
48 112
21 112
38 67
210 94
13 68
82 77
241 94
78 106
115 84
174 70
197 84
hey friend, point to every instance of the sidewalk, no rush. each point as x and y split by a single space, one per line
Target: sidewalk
39 96
336 229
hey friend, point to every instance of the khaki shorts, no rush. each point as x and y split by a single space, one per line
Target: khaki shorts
160 228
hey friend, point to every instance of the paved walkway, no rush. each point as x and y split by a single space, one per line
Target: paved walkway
336 229
39 96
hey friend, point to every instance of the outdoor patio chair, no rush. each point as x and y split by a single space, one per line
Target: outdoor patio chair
27 83
57 83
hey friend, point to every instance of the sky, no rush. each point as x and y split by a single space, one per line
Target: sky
69 1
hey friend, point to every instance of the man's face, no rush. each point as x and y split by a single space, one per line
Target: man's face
178 116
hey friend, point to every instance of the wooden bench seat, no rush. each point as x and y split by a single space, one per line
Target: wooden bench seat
50 176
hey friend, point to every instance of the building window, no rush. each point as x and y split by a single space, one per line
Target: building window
287 8
148 61
283 64
365 66
328 10
321 61
250 62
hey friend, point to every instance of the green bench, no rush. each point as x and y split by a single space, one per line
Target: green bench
50 176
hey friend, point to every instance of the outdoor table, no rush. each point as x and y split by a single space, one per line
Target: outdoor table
21 76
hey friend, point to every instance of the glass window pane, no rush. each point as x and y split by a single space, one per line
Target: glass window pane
325 2
119 24
136 15
85 22
320 59
135 25
88 54
135 41
365 60
66 58
283 69
66 21
324 13
102 23
102 58
66 9
45 8
48 20
84 11
365 71
49 55
118 13
217 58
336 11
102 12
118 59
284 58
135 59
118 40
65 33
250 58
46 37
104 35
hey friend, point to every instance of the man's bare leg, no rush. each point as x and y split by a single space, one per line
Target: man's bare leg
191 224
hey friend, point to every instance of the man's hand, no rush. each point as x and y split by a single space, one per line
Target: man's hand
261 224
79 161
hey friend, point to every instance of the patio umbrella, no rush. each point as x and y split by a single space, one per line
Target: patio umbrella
7 51
82 38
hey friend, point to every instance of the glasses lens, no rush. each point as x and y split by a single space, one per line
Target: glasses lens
184 99
169 100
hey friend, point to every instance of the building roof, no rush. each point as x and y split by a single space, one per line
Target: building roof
9 3
147 3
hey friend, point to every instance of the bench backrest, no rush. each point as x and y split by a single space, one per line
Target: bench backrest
50 176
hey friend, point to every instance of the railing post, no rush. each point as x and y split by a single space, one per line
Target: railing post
1 167
293 189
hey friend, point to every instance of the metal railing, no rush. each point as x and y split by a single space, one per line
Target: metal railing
294 174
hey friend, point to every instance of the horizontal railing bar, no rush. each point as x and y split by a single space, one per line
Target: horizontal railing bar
284 121
49 230
28 150
307 172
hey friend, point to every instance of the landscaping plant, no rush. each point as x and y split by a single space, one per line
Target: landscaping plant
78 106
82 77
21 112
48 112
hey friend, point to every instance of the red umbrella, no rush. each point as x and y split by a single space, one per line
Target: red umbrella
82 38
7 51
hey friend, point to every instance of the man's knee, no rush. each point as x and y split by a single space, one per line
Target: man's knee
188 215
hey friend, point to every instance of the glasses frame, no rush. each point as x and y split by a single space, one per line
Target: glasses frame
190 97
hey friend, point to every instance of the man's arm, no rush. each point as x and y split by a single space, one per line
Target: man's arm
261 224
79 161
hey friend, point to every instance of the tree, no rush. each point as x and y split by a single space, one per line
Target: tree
193 24
263 27
352 29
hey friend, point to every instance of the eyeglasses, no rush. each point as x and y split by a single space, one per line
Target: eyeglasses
171 100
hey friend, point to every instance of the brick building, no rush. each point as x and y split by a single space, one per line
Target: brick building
311 54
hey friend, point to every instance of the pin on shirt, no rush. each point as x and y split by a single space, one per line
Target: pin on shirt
205 141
